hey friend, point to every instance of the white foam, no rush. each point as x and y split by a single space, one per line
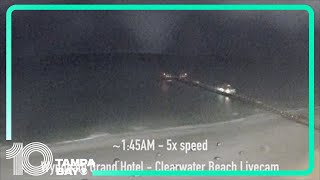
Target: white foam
93 136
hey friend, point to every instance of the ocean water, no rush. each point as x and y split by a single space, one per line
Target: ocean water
75 96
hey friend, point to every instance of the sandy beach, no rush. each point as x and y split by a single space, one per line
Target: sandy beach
261 139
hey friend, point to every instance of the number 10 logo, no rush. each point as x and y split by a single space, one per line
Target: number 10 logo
20 156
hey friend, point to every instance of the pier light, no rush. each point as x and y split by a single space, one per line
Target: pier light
226 88
183 75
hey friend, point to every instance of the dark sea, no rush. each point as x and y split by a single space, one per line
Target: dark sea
73 96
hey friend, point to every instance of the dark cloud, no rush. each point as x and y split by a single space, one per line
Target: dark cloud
188 32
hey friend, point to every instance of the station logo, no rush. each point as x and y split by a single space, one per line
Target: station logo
21 161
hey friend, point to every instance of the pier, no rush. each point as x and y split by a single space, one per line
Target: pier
236 96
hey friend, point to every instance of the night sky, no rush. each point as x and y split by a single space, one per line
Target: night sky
183 33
